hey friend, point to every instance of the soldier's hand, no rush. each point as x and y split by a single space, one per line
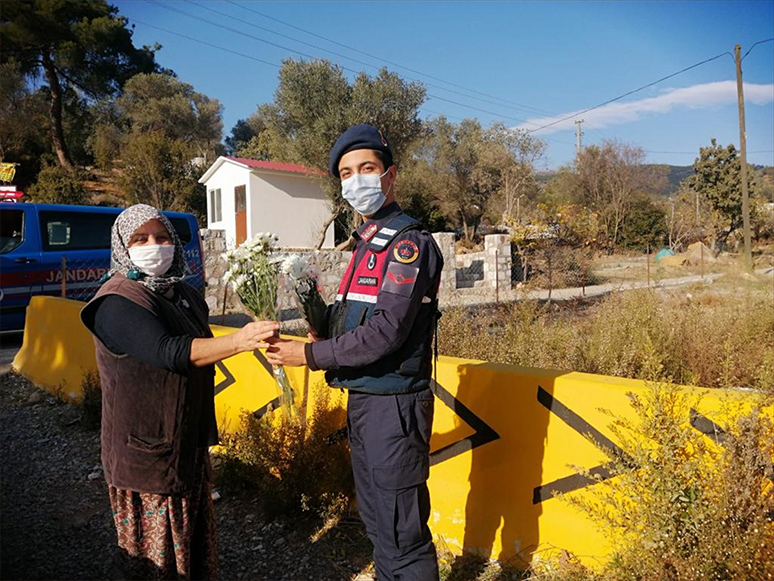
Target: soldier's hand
286 352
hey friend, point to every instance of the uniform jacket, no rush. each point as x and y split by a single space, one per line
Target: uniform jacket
382 323
153 419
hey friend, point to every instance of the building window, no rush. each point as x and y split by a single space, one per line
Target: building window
216 211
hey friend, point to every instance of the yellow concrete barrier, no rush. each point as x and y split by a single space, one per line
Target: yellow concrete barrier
505 439
57 349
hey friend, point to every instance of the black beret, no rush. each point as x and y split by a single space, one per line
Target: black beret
361 136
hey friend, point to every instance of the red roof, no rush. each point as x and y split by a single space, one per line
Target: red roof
276 166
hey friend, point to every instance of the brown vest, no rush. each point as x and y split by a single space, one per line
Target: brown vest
153 420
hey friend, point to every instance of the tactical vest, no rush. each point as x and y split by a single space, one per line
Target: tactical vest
409 368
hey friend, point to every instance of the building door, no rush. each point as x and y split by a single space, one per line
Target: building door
240 203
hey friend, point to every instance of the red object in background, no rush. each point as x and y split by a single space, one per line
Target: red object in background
10 195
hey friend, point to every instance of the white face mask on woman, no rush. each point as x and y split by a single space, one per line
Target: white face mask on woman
152 259
364 192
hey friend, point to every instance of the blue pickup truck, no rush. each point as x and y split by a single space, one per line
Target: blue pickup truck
42 244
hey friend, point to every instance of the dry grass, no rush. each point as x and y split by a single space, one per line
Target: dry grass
291 466
681 507
91 404
690 336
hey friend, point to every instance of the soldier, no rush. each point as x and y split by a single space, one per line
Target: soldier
379 347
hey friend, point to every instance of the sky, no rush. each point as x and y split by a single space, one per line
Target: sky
529 64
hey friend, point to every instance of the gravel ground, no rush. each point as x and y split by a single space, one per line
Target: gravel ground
55 518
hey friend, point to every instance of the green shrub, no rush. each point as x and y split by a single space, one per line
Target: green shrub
57 185
293 466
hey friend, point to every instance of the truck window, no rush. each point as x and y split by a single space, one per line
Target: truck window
11 230
183 229
64 230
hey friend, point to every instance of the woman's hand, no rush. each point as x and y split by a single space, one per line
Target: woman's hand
249 338
254 335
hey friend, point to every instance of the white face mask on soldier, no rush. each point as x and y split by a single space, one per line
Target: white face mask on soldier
153 259
364 192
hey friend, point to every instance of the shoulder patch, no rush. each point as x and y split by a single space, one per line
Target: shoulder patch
400 279
406 251
368 232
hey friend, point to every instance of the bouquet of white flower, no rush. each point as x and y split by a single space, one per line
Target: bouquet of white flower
254 274
301 279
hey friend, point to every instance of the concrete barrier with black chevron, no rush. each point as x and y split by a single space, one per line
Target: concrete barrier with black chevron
505 439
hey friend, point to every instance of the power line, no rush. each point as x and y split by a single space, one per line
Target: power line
527 107
277 66
756 44
313 57
340 55
296 51
200 41
632 92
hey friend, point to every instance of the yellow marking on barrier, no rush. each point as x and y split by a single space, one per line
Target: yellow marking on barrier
504 438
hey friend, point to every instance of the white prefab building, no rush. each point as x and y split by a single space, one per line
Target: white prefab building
247 196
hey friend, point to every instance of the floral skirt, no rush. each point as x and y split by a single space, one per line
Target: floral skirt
168 537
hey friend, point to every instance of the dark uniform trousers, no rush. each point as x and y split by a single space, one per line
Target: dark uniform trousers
389 437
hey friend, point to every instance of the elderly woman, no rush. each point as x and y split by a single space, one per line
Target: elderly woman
156 356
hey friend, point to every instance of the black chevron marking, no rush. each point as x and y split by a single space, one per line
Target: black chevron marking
228 381
483 431
577 423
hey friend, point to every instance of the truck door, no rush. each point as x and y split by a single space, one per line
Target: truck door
83 239
19 263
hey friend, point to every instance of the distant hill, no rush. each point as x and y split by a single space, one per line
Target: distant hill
675 175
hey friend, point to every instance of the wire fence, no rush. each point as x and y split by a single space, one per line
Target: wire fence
79 279
554 271
500 272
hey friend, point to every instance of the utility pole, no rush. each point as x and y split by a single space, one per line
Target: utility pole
743 150
578 134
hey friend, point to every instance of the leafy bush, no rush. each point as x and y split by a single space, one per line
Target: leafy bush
294 466
57 185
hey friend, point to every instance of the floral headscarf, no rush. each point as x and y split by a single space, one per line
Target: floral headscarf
127 224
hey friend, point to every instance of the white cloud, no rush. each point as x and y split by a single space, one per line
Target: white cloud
705 96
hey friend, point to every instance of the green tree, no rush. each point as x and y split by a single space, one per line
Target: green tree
163 104
22 121
608 179
59 185
158 171
515 153
717 179
468 166
76 45
415 191
161 133
314 103
645 226
242 133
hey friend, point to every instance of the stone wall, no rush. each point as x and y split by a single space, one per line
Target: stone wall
467 277
330 264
